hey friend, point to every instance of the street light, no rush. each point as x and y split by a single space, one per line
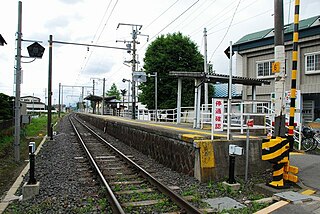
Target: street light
155 74
129 81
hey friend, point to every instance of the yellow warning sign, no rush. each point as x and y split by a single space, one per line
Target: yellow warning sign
276 67
206 153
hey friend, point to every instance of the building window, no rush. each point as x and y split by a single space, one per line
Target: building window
312 63
263 108
264 69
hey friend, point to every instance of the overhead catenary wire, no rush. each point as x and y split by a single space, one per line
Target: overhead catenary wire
87 58
166 10
226 30
175 19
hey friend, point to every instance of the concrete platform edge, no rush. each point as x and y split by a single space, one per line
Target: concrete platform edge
10 194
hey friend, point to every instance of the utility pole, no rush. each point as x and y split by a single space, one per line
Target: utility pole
279 68
49 125
103 95
206 90
155 75
135 32
17 107
59 107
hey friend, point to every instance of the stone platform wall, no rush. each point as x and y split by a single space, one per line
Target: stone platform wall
179 154
167 150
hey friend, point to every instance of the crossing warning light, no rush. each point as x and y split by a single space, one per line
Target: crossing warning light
35 50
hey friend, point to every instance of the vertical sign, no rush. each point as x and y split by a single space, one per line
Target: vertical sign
218 110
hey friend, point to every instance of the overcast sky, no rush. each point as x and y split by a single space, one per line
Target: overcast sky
87 21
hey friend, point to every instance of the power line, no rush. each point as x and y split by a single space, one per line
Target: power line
175 19
87 58
161 14
192 13
199 29
226 31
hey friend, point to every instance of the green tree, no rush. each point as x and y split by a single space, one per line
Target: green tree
6 103
114 92
173 52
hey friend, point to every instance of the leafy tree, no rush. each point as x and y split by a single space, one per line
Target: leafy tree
114 92
173 52
6 103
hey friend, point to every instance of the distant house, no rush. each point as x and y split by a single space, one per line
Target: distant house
33 104
255 55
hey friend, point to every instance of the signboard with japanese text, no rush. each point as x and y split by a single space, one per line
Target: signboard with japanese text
217 114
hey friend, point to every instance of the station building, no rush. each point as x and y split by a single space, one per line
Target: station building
255 54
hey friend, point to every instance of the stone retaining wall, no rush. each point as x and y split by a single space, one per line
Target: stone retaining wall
173 153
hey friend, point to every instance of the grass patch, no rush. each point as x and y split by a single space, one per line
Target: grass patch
9 168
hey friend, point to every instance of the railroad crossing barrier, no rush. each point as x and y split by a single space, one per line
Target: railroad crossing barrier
276 151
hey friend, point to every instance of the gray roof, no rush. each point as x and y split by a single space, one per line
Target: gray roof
303 24
219 78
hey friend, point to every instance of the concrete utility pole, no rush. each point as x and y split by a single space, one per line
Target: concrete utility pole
103 95
279 68
49 125
59 107
17 111
135 33
206 90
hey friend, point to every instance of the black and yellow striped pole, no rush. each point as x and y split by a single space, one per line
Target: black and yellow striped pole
294 72
276 150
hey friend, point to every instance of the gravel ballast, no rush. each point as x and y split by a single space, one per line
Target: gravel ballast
67 185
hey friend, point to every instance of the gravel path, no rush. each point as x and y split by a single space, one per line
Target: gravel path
64 188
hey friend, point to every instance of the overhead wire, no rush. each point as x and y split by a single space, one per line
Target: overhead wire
161 14
101 32
193 17
226 30
175 19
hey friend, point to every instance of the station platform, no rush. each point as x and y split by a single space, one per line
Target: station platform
184 128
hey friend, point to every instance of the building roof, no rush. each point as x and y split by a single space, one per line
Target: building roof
98 98
219 78
30 97
307 27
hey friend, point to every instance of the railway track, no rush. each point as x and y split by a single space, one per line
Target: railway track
129 188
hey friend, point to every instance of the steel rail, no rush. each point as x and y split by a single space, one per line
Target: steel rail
180 201
115 204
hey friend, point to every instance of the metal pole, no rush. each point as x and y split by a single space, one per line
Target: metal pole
82 95
195 103
103 95
230 95
62 97
134 36
294 72
49 128
17 113
156 94
179 101
198 104
129 95
206 89
232 161
59 107
247 151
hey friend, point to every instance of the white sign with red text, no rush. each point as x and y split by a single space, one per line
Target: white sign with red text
217 113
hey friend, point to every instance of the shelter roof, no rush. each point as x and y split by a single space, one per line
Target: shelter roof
219 78
99 98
